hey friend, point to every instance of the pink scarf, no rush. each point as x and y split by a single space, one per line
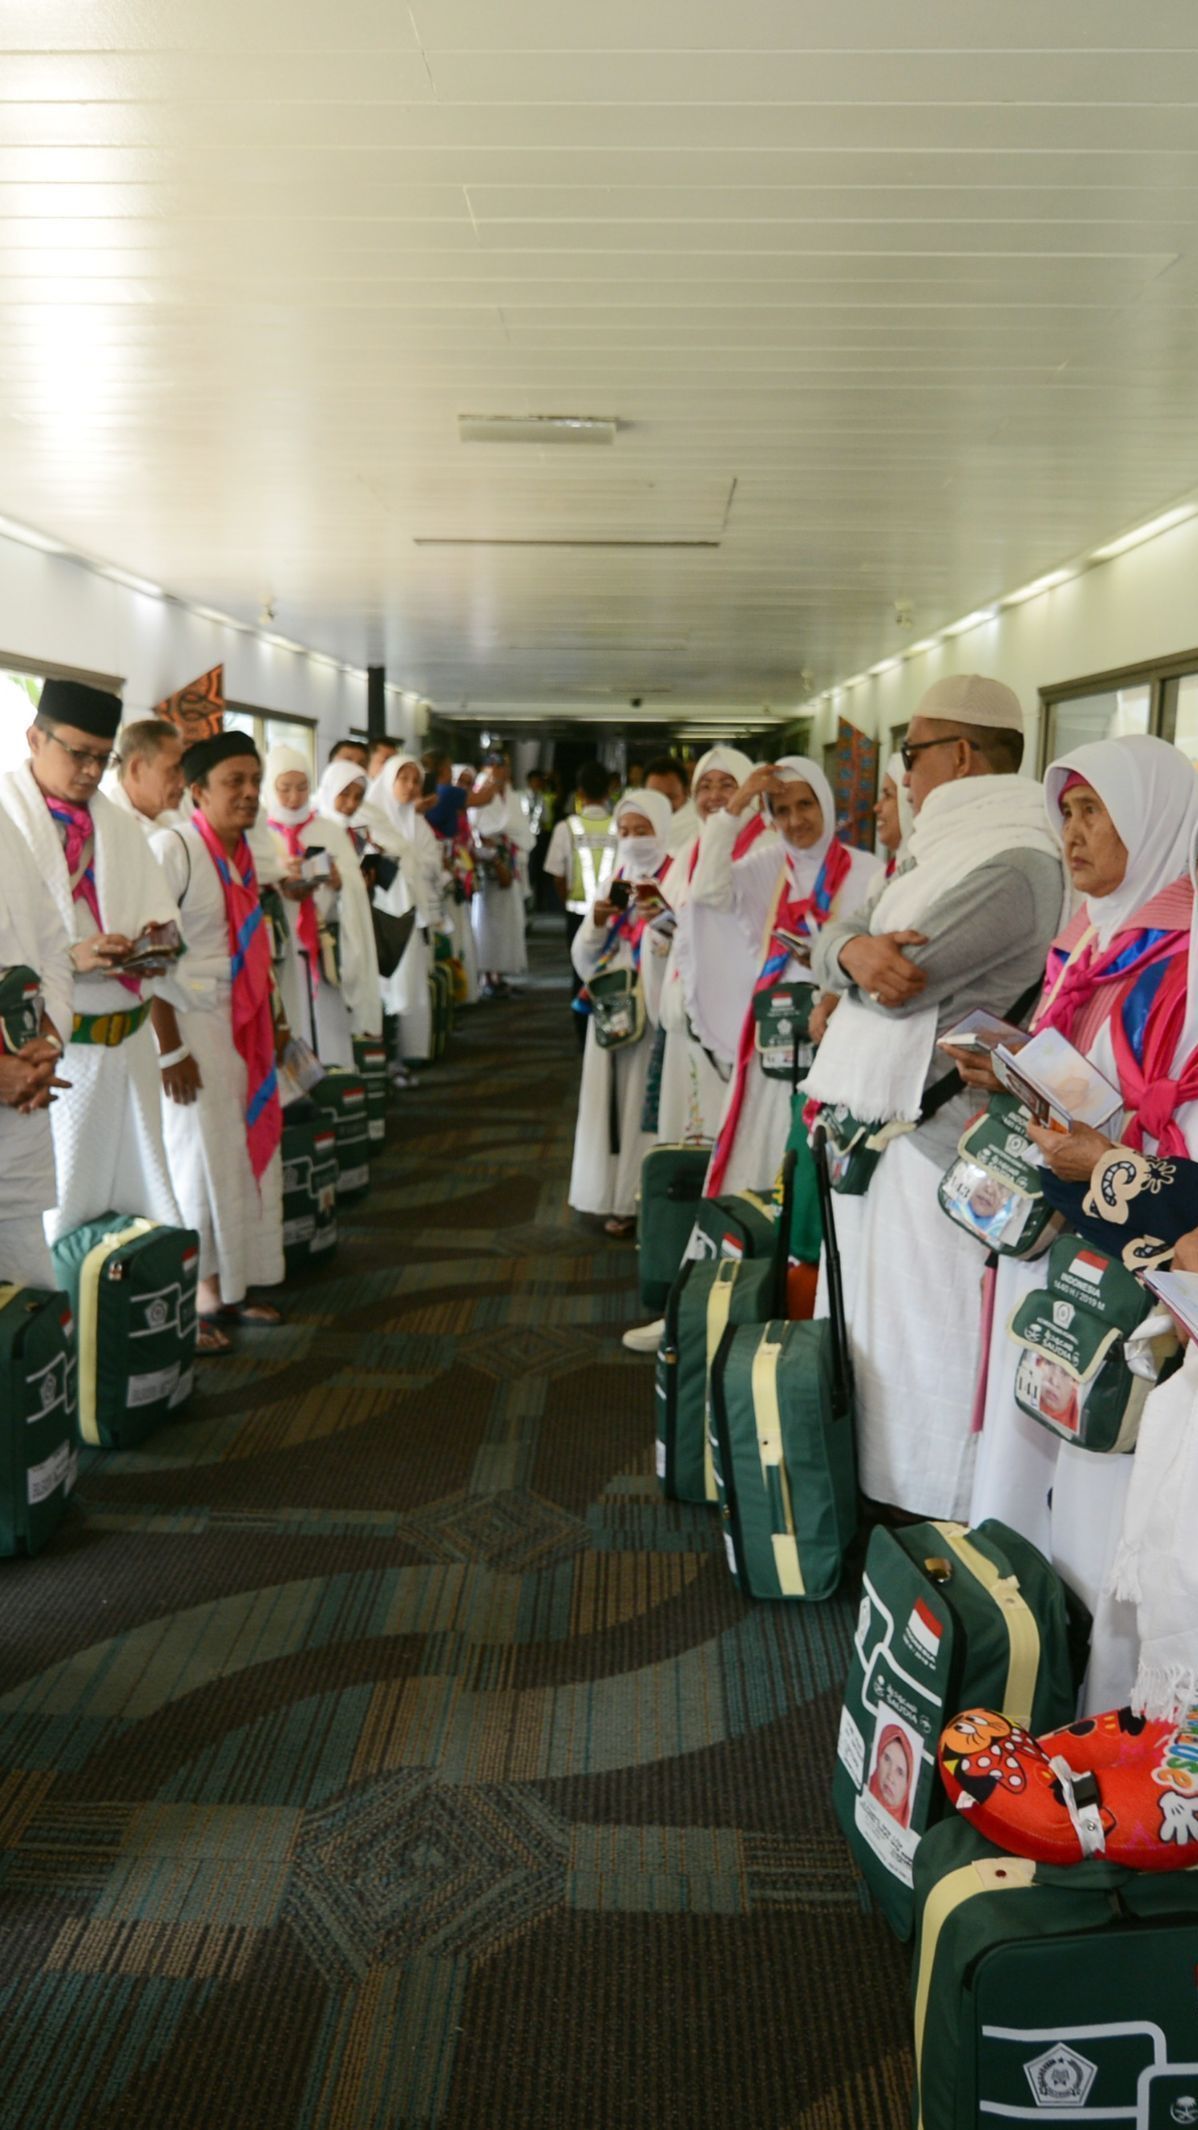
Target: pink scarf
253 1021
78 829
306 924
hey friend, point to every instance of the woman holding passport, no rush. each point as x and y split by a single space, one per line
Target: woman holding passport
1116 988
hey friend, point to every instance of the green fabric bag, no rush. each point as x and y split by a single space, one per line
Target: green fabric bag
1072 1375
132 1289
343 1096
671 1188
703 1301
950 1618
743 1224
37 1400
781 1016
370 1063
993 1191
806 1217
855 1149
786 1473
1051 1994
21 1007
617 1002
309 1192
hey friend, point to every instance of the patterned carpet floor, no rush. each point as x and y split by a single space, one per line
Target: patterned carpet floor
379 1752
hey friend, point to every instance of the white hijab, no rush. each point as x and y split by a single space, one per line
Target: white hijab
729 761
284 761
337 778
906 812
1151 794
401 814
803 866
656 808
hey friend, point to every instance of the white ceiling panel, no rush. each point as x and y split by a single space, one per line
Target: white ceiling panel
889 301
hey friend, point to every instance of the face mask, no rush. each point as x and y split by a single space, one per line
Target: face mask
292 816
638 854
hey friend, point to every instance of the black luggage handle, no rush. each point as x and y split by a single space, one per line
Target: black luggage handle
842 1365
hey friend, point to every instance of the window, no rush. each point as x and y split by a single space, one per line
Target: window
1161 699
268 732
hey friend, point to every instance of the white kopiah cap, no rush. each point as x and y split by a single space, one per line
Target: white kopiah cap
975 699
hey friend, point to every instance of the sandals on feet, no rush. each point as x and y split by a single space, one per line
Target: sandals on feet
210 1339
249 1313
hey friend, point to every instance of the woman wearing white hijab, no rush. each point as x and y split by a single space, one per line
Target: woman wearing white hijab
314 1007
504 837
781 890
1116 986
609 1144
894 815
400 832
339 796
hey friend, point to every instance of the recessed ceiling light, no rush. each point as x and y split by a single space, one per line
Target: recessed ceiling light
1038 585
537 428
1144 532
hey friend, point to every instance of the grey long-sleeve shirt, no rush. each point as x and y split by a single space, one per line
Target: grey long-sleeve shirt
988 939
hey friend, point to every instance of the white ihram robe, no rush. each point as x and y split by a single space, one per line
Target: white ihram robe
32 934
108 1142
497 912
239 1219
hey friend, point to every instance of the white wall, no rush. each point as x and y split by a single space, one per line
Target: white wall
60 612
1140 606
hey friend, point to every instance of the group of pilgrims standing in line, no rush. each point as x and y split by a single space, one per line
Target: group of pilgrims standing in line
153 1085
1067 906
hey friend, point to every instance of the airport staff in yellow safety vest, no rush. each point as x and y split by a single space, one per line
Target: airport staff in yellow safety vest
580 860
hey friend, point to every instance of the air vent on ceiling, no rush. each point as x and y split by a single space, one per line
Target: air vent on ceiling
537 428
485 540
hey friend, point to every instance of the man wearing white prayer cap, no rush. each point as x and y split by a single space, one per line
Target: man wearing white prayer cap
966 925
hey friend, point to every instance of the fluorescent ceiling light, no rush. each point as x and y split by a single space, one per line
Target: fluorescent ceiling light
1039 584
884 665
284 643
1144 532
971 621
10 530
130 580
927 643
537 428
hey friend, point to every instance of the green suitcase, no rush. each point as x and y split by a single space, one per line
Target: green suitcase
742 1224
950 1618
1050 1994
671 1188
703 1301
343 1096
309 1191
370 1064
132 1290
785 1462
37 1398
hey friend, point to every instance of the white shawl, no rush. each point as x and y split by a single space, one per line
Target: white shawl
503 816
131 887
1156 1566
876 1064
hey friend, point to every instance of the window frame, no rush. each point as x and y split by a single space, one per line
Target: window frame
1155 673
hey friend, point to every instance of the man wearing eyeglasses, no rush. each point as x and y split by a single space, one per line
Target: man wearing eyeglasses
108 887
966 923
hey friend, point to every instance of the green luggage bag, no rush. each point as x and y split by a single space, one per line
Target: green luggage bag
37 1400
671 1188
370 1064
703 1301
950 1618
343 1095
132 1290
742 1224
1072 1375
309 1191
1050 1994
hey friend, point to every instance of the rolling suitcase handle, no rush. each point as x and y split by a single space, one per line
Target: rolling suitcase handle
782 1243
841 1361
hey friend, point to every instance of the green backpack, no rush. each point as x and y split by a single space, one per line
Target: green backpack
703 1301
1051 1994
993 1191
949 1618
309 1191
37 1399
132 1290
343 1096
1072 1374
671 1188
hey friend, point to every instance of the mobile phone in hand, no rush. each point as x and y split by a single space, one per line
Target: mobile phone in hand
619 894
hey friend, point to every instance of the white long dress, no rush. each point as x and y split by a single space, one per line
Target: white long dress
239 1219
419 884
108 1142
602 1179
693 1087
332 1014
497 913
33 936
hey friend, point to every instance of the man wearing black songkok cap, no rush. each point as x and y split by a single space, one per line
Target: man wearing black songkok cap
107 887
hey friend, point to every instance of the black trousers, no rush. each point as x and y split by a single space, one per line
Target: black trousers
574 919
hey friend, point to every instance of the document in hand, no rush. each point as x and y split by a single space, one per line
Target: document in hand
983 1032
1179 1293
797 943
1056 1083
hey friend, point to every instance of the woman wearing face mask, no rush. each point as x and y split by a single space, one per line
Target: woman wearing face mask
1116 988
782 892
609 1144
399 831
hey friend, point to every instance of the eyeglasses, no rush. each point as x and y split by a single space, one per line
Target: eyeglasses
908 751
83 755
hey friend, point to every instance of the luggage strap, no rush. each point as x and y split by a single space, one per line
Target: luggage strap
767 1419
89 1320
1018 1618
7 1294
999 1874
719 1309
1083 1804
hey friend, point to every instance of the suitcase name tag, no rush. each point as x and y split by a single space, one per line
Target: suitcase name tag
887 1745
1072 1374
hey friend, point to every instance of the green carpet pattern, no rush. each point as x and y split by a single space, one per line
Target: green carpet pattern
378 1750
